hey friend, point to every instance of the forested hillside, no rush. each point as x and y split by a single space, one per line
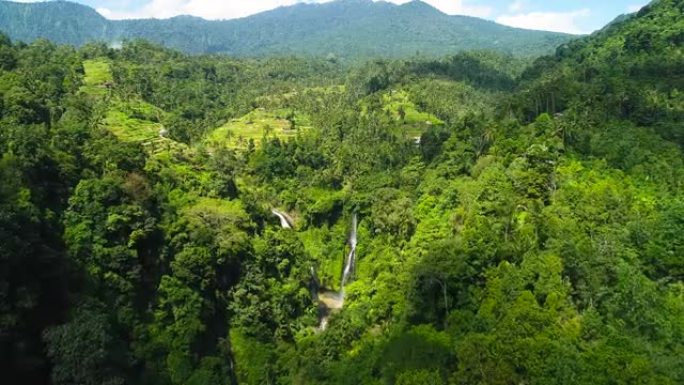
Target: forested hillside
342 29
175 219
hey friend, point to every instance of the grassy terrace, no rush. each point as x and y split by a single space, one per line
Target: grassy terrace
410 122
133 121
413 122
255 126
130 120
97 75
396 101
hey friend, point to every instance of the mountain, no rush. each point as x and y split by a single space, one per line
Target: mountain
344 28
632 69
61 22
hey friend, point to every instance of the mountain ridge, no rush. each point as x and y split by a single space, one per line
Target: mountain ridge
343 28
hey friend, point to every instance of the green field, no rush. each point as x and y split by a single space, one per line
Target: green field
138 121
133 120
97 75
274 101
413 122
395 101
130 120
255 126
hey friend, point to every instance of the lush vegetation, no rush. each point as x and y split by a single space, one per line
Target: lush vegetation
344 30
517 225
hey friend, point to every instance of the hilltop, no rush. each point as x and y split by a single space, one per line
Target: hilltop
343 29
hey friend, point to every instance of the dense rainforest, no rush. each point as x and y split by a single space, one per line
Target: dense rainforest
476 219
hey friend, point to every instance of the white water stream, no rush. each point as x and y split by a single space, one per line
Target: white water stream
351 258
335 300
329 301
284 222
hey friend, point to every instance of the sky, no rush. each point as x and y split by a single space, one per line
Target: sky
572 16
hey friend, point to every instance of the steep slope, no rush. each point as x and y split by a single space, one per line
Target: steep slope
61 22
345 28
633 70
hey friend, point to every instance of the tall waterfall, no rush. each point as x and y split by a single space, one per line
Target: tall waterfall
284 222
351 258
330 301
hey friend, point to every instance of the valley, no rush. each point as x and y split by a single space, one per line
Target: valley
466 217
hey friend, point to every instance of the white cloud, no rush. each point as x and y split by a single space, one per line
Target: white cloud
105 12
460 7
230 9
454 7
517 6
547 21
635 7
208 9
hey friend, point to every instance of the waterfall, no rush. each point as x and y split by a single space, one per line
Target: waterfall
284 222
330 301
349 265
314 284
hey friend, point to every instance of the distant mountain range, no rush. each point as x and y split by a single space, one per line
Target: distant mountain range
344 28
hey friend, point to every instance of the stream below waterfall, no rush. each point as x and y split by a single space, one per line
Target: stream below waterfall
328 301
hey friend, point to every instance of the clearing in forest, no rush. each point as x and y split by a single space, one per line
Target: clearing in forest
410 121
256 125
98 76
133 120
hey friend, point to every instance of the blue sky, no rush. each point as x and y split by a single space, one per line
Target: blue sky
573 16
